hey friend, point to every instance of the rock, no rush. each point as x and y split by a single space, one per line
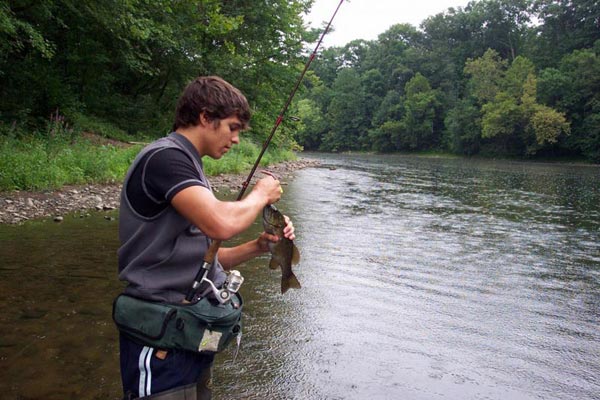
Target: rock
58 219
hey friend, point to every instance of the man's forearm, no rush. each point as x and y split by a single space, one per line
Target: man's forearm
230 257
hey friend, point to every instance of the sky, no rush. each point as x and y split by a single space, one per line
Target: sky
366 19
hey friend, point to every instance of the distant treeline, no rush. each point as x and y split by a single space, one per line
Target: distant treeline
498 77
502 77
118 66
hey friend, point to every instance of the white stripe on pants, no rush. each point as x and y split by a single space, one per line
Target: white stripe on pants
145 384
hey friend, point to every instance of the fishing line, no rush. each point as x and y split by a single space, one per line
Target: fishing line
211 253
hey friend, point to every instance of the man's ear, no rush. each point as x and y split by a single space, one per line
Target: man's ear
202 119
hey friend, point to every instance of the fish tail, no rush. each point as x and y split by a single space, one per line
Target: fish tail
289 282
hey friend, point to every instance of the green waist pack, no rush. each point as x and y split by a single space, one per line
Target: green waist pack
197 327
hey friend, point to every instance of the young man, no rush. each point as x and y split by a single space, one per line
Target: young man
168 217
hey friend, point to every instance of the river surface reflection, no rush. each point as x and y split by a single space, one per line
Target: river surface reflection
422 279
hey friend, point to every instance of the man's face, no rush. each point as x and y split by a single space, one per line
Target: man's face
223 135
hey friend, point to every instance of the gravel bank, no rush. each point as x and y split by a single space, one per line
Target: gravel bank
20 206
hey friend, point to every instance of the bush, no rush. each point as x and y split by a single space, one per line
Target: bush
36 162
242 157
58 157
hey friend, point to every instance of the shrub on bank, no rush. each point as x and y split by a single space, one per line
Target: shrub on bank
36 163
241 158
63 157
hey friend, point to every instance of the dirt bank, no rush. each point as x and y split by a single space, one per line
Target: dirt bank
20 206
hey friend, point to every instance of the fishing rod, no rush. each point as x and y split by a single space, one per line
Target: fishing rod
223 295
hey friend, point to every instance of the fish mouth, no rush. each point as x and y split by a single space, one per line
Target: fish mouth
269 211
270 216
270 208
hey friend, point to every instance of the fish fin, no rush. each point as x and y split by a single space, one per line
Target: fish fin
295 255
290 282
273 264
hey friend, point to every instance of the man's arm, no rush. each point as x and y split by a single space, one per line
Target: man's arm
230 257
222 220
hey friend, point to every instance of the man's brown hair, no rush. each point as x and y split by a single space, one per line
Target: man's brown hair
213 96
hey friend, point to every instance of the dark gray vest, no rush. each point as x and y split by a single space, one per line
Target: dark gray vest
160 256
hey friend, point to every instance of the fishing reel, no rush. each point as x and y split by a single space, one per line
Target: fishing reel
230 287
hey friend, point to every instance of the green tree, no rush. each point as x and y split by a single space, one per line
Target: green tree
573 89
18 35
126 61
502 120
389 136
482 63
503 25
419 113
388 55
463 128
486 74
329 63
373 86
564 26
347 121
312 124
548 124
512 118
386 122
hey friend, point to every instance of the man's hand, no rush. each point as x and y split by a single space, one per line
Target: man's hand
265 238
269 188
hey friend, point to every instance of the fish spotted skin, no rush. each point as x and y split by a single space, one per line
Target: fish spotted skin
284 253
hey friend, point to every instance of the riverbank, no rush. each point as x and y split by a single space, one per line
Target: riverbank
20 206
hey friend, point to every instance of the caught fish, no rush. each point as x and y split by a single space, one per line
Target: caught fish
283 253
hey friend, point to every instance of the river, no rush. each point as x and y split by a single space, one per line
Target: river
423 278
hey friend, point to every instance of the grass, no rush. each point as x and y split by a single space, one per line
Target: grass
35 163
61 156
242 157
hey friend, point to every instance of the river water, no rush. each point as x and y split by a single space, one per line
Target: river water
423 278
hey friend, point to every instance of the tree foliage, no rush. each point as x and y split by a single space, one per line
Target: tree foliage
126 61
508 77
503 77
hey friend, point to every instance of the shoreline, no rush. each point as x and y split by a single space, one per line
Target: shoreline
20 206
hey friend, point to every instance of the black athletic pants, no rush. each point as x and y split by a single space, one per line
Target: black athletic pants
145 375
